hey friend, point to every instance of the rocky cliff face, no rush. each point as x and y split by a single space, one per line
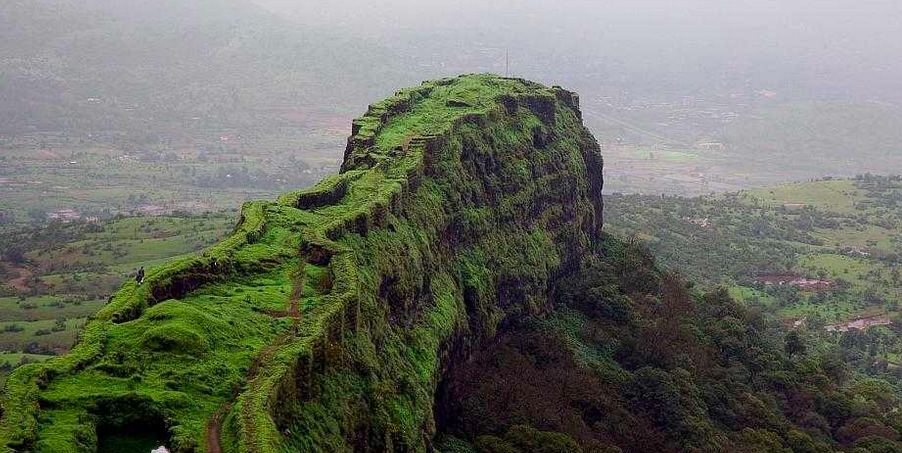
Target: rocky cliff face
326 321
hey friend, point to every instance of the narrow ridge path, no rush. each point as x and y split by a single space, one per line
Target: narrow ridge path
293 310
214 428
293 307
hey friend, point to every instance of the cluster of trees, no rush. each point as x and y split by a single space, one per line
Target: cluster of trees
735 239
711 238
6 367
884 195
6 219
637 360
37 349
867 350
16 244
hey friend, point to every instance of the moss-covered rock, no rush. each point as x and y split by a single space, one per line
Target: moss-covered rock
325 322
175 339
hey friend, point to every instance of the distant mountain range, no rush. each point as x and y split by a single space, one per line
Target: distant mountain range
135 67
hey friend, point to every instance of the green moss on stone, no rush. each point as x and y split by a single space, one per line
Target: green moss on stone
325 321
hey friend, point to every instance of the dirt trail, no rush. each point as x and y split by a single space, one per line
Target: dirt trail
297 293
214 428
293 308
293 311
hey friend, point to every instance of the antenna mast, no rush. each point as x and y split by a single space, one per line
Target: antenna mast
507 63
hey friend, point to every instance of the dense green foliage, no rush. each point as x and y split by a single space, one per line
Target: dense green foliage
844 231
635 360
324 321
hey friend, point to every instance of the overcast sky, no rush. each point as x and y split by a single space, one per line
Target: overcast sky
815 47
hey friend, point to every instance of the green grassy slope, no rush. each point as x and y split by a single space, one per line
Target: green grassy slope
54 277
323 322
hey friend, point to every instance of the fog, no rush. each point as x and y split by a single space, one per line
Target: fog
247 98
810 48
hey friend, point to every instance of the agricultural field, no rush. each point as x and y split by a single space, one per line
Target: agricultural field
42 179
667 156
54 277
823 256
836 196
827 249
700 146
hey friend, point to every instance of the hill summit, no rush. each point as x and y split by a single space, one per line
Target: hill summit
327 319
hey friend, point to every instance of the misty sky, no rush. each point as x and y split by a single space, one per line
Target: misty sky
774 78
219 59
813 48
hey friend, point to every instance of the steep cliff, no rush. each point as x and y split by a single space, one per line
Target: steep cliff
327 319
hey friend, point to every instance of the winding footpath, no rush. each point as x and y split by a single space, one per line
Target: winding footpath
293 310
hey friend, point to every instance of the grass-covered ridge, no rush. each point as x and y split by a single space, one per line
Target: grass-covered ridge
323 323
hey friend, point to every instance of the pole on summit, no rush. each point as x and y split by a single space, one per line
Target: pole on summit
507 63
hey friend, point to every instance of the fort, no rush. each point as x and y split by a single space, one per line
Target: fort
325 321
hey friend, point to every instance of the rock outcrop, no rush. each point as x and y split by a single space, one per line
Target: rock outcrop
326 320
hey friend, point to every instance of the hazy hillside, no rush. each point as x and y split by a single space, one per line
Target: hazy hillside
170 67
207 94
774 82
821 134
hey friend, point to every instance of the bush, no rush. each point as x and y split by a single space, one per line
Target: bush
59 325
14 254
877 444
13 328
526 439
492 444
529 439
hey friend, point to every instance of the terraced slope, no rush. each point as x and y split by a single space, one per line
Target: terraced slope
326 320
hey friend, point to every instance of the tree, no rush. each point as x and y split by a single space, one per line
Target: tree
14 254
794 343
